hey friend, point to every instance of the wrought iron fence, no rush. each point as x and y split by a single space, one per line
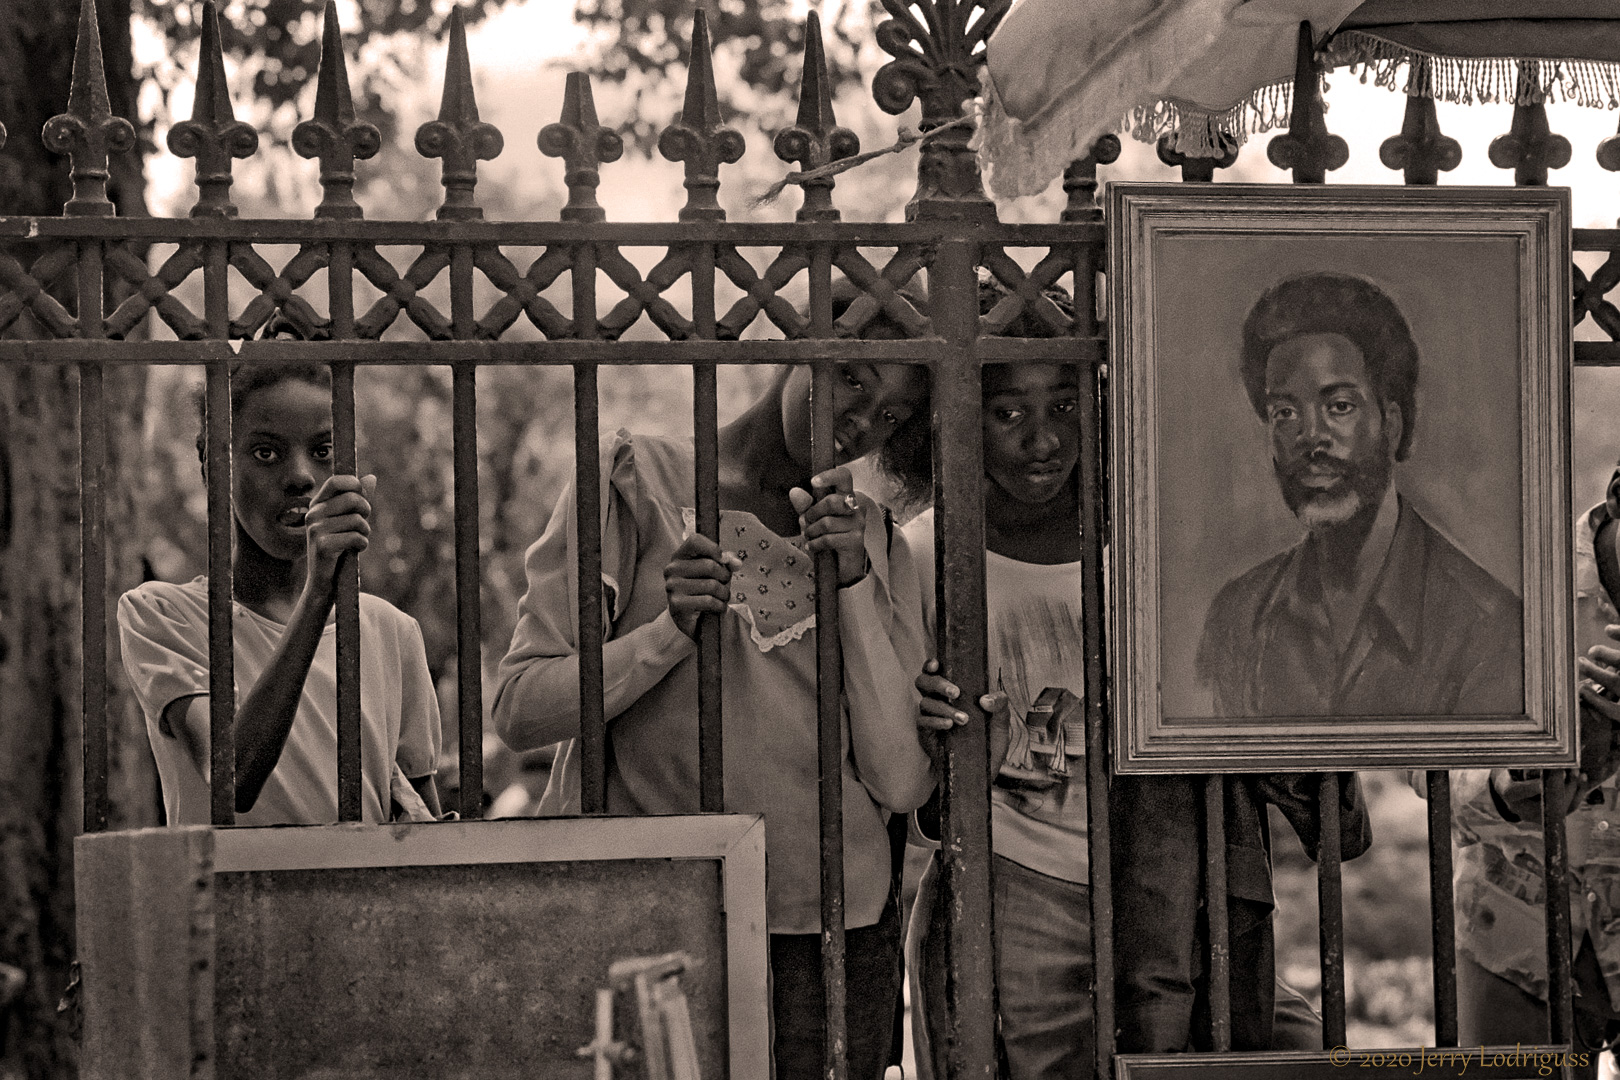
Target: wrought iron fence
56 273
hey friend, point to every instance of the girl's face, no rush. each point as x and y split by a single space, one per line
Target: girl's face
869 400
281 452
1031 429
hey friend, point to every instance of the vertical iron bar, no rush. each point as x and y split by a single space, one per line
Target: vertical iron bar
1560 977
829 690
1442 908
1330 909
1220 928
706 444
469 579
829 697
1093 530
963 651
221 533
588 530
93 545
340 286
588 515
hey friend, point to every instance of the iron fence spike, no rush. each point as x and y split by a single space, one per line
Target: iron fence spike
1307 149
333 135
816 140
584 145
1421 151
88 132
458 137
213 135
697 138
1530 148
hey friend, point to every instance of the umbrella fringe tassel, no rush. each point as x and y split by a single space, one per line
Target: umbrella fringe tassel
1476 80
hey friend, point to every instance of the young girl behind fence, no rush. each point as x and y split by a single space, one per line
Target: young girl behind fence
659 576
293 520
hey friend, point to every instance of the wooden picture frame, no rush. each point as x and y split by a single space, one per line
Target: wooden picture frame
1321 561
1429 1062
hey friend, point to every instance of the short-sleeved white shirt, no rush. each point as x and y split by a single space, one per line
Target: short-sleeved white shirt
163 629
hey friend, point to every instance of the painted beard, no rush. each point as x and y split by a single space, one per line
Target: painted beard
1359 485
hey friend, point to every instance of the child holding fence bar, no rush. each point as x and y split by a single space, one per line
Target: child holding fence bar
659 575
294 519
1502 977
1045 967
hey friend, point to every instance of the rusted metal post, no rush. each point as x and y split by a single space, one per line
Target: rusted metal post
1330 909
830 740
88 133
585 145
221 537
703 143
1080 182
1442 908
1220 927
1560 976
963 649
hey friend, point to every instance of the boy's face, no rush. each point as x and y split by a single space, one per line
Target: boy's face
281 452
1031 429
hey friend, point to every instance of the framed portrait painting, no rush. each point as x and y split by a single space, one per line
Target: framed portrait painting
1340 458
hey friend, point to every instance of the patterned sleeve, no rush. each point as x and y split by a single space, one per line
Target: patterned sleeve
165 648
419 728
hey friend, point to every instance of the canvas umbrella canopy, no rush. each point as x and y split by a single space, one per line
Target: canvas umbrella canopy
1061 73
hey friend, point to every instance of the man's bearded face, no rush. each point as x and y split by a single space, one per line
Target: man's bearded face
1332 441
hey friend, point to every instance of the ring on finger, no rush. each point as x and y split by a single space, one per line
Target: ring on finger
851 503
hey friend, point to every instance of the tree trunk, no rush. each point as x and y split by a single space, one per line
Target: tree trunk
40 720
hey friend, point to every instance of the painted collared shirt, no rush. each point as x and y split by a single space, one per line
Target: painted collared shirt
1500 889
1437 635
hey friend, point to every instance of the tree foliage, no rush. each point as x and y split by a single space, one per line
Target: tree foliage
650 41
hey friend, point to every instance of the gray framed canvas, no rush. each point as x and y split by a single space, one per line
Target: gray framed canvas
465 948
1340 461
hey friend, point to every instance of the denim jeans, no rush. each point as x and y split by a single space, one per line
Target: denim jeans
1045 976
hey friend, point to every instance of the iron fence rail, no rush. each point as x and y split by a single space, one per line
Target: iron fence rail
60 275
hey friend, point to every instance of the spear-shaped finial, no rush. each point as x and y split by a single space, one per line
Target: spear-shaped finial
88 131
816 140
1307 149
1529 148
697 137
213 135
583 144
1421 151
458 136
333 135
